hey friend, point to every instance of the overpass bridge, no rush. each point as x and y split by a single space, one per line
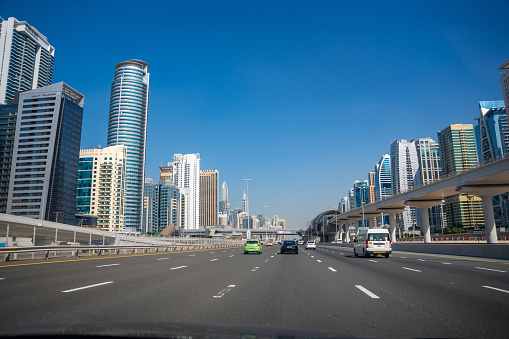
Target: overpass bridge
484 181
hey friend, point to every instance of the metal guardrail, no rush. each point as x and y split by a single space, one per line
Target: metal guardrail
102 250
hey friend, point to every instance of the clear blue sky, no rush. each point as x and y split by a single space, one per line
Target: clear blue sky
303 97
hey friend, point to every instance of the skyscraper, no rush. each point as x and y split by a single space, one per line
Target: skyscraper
430 169
150 206
244 202
209 185
457 149
101 179
405 175
371 187
186 173
26 59
492 138
45 156
128 126
361 192
504 80
8 114
383 185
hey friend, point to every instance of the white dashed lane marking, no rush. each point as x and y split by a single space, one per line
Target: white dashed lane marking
490 269
176 268
223 292
496 289
368 292
108 265
410 269
333 270
85 287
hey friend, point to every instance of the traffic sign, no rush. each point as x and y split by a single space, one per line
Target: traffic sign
477 229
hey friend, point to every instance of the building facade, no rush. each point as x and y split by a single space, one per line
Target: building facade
383 181
26 59
186 174
405 176
127 126
430 169
8 117
150 206
209 194
101 182
458 154
492 138
45 154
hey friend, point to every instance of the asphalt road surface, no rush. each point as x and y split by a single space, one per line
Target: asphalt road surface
407 295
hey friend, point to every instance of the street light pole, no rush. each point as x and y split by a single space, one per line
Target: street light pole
266 225
247 202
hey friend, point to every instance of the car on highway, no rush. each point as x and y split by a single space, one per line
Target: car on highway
252 246
372 242
269 243
289 246
310 244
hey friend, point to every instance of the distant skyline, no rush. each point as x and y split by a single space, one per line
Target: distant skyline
303 97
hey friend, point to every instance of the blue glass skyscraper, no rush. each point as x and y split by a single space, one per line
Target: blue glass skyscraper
128 126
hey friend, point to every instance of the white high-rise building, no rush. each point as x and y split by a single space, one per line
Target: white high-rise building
405 175
244 202
26 59
187 179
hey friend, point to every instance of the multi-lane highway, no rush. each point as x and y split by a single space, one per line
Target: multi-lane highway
406 295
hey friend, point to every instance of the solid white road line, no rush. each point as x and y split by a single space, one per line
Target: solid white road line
496 289
333 270
490 269
214 259
163 258
89 286
176 268
108 265
223 292
319 260
410 269
368 292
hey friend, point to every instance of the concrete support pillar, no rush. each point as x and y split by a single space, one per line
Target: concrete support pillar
347 232
489 220
392 228
425 225
425 205
340 234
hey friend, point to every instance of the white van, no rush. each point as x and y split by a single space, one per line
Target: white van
372 241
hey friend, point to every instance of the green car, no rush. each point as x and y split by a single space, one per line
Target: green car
252 245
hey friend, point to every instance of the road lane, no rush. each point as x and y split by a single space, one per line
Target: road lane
327 292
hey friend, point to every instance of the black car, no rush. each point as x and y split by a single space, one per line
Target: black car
289 246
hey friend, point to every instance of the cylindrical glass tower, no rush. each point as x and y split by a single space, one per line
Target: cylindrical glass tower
128 126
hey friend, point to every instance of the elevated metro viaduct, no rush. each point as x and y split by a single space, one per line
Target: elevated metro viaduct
484 181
